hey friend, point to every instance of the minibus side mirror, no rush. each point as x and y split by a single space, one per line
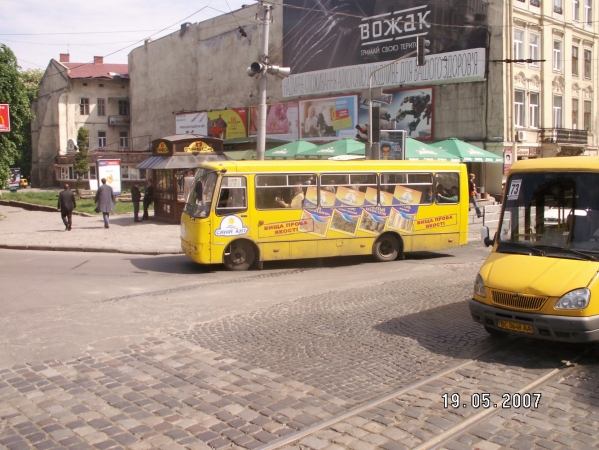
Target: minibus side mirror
484 234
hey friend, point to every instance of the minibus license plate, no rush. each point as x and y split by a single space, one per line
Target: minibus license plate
513 326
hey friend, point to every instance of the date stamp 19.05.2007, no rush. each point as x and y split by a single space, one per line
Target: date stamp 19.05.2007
483 400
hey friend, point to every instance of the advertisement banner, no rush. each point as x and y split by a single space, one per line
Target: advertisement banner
410 110
192 123
111 170
394 146
282 121
227 123
341 33
327 119
4 118
507 159
14 181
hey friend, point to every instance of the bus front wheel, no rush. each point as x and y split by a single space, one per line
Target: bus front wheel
239 255
386 248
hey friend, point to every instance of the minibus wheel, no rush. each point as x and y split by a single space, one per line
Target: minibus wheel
239 255
386 248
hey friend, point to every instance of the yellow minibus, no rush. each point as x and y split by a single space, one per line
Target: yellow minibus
540 279
242 213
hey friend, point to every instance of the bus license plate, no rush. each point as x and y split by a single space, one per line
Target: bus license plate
513 326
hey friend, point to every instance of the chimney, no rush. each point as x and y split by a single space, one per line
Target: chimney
98 60
64 57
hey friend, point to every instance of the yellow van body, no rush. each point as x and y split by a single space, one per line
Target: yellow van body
349 208
540 279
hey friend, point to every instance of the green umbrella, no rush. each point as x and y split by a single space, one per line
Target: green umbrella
416 150
289 150
341 147
467 152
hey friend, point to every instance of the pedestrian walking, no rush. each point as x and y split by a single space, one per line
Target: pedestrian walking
105 200
148 199
472 189
135 198
66 204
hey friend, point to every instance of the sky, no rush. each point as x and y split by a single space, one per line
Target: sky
39 30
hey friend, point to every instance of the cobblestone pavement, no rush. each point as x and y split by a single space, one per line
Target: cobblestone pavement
248 380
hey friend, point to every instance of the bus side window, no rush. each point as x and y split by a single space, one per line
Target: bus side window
447 187
232 196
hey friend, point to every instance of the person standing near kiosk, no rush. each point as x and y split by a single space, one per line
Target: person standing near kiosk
148 199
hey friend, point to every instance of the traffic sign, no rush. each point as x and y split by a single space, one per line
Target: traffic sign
4 118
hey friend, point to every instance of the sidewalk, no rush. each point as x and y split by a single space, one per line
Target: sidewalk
39 230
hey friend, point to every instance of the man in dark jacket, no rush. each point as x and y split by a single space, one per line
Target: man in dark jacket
148 199
105 199
135 198
66 205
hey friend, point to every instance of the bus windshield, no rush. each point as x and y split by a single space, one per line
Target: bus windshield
546 211
200 198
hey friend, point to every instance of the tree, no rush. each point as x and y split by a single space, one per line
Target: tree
31 80
80 165
13 92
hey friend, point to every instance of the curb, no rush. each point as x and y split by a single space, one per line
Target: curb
87 250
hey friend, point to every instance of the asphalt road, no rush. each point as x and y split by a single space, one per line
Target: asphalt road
59 304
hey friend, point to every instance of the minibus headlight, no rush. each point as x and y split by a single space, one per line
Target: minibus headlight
576 299
479 286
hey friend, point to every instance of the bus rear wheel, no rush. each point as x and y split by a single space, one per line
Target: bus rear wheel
239 255
386 248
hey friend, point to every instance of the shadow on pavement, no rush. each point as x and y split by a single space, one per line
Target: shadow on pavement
172 264
450 331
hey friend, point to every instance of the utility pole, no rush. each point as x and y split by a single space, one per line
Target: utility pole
261 130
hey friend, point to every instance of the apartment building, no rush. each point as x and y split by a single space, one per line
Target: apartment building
94 96
551 94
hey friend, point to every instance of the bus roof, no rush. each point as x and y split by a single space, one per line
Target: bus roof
327 165
568 163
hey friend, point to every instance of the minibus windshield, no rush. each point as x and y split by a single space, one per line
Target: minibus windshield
551 214
202 191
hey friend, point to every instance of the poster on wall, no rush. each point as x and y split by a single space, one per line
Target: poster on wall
192 123
507 160
111 170
282 121
410 110
14 181
327 119
227 123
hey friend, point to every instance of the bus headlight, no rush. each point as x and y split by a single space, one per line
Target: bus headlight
576 299
479 286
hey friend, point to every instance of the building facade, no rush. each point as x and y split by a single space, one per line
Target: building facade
95 97
478 84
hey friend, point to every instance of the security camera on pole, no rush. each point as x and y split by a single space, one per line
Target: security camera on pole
260 69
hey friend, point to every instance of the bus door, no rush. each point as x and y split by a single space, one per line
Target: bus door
232 218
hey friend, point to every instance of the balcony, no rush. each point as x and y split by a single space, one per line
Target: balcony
564 136
119 120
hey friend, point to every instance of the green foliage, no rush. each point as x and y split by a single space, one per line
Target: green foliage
80 165
31 79
13 92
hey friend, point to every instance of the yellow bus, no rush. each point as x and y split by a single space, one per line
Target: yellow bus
541 278
242 213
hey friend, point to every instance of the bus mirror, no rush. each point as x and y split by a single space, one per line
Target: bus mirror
484 234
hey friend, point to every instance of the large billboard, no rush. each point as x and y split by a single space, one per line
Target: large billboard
328 119
192 123
282 121
410 110
335 45
227 123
